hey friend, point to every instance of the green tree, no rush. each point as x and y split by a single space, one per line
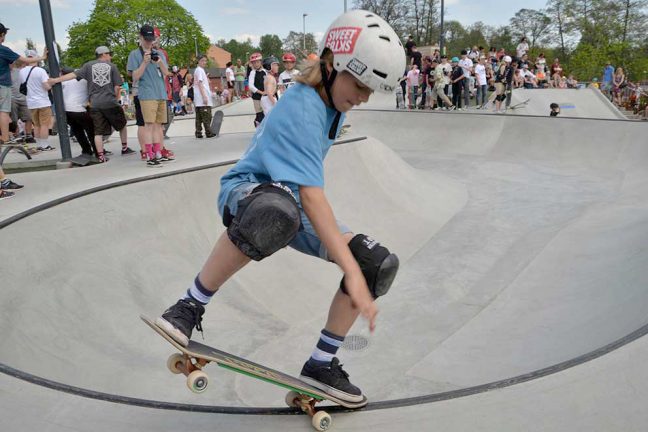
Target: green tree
116 24
239 50
532 24
30 44
271 45
294 43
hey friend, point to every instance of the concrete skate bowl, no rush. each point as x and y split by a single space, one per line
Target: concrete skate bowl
520 257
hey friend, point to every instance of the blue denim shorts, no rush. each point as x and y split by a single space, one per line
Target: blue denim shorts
306 241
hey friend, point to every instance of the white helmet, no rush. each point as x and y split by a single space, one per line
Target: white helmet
367 47
508 59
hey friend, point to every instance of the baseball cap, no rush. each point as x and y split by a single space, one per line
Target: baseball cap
3 29
102 50
147 32
31 53
455 60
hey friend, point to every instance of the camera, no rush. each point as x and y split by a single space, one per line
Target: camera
155 55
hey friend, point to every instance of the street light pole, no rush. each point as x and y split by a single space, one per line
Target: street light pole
196 44
304 39
345 6
442 38
55 71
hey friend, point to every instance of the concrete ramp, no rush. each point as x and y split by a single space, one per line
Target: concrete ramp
581 103
134 249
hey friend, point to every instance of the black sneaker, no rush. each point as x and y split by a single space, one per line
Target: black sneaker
6 194
180 319
127 151
332 380
153 163
11 186
199 135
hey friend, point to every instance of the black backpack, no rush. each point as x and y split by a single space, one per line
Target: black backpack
23 86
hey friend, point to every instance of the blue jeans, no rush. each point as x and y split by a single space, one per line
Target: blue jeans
306 241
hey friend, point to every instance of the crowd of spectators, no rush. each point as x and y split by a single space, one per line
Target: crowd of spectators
99 101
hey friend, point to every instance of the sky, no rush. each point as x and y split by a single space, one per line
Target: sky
237 19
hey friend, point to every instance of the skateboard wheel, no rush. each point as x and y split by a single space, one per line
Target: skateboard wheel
291 399
322 421
197 381
172 363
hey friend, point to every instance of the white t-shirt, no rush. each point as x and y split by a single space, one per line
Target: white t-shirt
522 49
75 95
480 71
287 78
466 65
36 94
229 73
266 105
200 79
413 78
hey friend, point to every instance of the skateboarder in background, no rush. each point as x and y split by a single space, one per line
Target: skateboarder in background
202 99
266 186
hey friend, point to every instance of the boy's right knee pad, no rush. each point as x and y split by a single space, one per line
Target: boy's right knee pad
266 220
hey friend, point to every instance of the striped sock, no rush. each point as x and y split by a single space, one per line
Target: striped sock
198 292
326 348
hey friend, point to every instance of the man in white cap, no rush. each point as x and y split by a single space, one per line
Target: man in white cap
104 84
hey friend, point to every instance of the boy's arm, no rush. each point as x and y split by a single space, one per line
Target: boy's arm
319 212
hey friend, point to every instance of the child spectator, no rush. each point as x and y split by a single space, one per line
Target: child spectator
413 85
457 78
482 83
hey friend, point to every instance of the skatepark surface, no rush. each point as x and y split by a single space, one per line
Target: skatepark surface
521 302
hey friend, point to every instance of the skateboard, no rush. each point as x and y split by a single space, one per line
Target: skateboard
217 122
522 104
343 130
84 160
196 356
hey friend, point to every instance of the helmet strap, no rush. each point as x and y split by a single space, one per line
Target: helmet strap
328 83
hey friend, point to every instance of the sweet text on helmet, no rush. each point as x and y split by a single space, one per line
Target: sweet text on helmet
342 40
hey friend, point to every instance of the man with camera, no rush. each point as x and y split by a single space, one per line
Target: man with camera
149 71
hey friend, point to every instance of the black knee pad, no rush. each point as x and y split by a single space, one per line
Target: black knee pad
378 265
266 220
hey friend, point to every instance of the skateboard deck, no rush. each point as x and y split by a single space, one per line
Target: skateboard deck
217 122
83 160
196 356
520 105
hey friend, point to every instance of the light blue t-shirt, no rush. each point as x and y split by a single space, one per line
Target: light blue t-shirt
151 85
288 147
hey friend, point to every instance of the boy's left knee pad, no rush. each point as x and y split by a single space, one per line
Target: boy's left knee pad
378 265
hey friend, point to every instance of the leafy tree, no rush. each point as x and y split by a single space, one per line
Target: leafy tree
295 41
534 24
30 44
395 12
116 24
271 45
239 50
562 24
